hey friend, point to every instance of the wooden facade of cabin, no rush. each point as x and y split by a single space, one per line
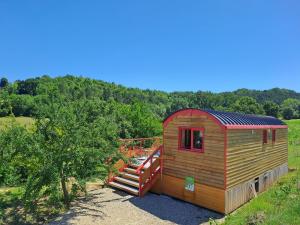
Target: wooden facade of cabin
238 156
218 160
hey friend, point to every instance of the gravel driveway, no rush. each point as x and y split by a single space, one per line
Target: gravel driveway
108 207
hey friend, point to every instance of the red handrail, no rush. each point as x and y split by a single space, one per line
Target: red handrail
141 150
138 143
139 139
152 173
138 170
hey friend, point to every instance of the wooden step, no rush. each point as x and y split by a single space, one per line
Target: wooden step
130 170
129 176
127 181
123 187
134 166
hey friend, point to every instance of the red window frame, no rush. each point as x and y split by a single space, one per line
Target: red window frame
273 136
192 149
265 136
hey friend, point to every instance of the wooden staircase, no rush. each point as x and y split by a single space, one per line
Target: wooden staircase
138 178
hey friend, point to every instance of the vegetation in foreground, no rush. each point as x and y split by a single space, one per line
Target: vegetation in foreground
44 160
281 203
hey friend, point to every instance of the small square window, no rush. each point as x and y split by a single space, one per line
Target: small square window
191 139
197 139
186 139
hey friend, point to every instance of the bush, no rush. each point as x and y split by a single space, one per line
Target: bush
15 155
290 109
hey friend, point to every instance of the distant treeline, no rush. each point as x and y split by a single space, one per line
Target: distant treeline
24 97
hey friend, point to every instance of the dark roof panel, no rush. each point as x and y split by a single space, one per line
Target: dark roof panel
240 119
232 118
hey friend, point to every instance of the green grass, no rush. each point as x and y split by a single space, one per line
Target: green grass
12 210
10 201
27 122
281 203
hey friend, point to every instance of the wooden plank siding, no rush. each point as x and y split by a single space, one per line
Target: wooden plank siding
241 193
248 157
207 168
206 196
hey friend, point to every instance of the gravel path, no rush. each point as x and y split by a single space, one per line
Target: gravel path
108 207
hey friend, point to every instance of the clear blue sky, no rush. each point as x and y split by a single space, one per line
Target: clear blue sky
158 44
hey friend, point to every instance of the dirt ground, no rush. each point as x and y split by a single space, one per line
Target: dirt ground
108 207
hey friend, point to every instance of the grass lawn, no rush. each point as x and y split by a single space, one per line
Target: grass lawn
27 122
10 201
12 210
281 203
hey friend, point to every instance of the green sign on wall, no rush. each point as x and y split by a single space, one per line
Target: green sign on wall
189 183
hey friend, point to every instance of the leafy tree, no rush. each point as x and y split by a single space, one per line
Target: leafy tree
179 101
28 86
144 123
290 108
68 145
3 82
247 105
271 108
5 106
288 113
22 105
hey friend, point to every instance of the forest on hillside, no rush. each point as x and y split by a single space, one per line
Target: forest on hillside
25 97
78 123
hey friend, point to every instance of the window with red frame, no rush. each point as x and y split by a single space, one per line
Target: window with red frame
191 139
273 136
265 136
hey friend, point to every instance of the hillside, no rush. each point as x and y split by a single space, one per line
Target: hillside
276 95
24 97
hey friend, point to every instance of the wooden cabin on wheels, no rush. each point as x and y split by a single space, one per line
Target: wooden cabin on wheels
218 160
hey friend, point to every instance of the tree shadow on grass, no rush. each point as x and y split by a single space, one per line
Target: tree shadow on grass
11 209
173 210
15 214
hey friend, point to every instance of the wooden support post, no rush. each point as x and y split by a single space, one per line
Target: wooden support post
252 187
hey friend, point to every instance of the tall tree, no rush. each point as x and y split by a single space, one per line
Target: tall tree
3 82
69 145
271 108
247 105
5 104
290 108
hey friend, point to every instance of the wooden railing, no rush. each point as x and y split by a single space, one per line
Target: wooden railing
139 146
149 174
135 147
